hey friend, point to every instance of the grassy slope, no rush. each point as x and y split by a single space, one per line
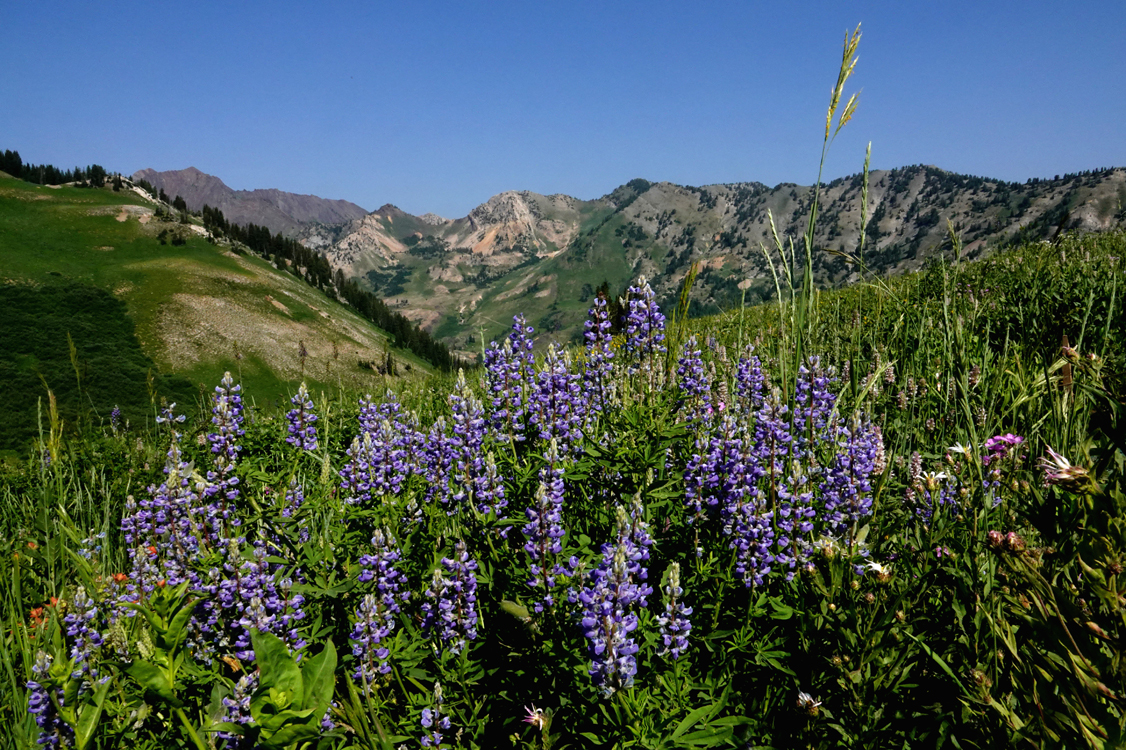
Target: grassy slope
198 309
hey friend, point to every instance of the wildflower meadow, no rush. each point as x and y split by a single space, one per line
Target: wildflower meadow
888 516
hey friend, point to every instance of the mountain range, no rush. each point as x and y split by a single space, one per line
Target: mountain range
545 255
276 210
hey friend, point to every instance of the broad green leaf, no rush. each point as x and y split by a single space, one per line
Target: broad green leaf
692 719
277 668
152 679
291 734
90 717
518 611
177 629
275 722
318 679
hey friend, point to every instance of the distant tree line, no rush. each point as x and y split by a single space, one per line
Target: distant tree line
48 174
287 254
313 267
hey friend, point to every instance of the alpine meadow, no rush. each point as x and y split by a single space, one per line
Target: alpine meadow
883 514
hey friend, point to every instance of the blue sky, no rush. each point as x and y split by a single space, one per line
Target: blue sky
437 106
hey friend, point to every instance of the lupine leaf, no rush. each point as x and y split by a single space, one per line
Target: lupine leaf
318 678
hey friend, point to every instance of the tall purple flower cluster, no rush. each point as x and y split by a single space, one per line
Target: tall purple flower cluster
777 479
434 720
470 470
598 373
82 629
694 382
750 382
544 531
451 613
53 731
674 624
236 709
509 375
162 533
558 407
244 595
222 484
302 421
616 589
384 454
645 328
375 617
846 488
813 404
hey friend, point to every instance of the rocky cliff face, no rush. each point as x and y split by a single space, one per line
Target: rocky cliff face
545 255
278 210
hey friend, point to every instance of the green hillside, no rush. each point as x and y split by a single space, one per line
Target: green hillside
106 268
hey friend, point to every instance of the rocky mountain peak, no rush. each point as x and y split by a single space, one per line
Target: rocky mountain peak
504 208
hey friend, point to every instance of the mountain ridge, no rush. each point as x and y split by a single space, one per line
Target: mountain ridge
277 210
543 255
461 277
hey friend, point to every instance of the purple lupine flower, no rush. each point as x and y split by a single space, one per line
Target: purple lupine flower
772 434
750 382
53 730
162 533
221 490
645 329
640 538
452 615
115 419
327 724
488 490
439 460
793 521
814 403
227 418
846 488
674 624
558 407
434 721
711 465
302 421
694 383
750 526
598 371
616 587
385 453
462 471
244 595
545 531
467 427
366 636
84 635
375 618
509 374
236 708
294 499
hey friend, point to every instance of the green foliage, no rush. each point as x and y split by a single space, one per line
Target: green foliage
107 368
994 619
